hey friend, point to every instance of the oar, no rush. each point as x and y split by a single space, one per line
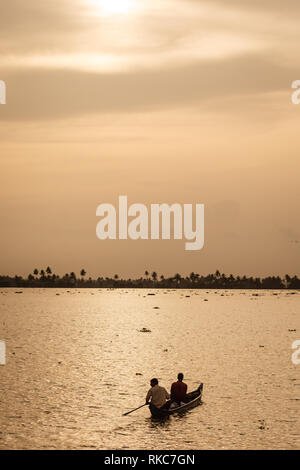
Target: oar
128 412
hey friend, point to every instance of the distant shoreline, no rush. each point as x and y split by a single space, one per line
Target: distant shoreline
45 278
149 288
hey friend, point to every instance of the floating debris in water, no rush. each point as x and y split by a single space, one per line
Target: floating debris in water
144 330
150 294
293 330
262 424
18 292
156 307
138 373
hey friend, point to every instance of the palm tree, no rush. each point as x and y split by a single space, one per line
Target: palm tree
295 283
146 273
36 272
154 276
82 273
116 276
48 270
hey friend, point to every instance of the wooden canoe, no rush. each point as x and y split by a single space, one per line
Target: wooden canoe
192 399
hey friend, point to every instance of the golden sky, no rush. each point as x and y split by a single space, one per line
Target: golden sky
184 101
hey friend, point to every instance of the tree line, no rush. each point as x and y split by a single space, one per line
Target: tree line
218 280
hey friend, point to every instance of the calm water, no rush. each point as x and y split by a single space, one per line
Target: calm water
73 360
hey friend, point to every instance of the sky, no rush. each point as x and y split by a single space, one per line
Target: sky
164 101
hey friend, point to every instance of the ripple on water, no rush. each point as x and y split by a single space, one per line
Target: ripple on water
77 363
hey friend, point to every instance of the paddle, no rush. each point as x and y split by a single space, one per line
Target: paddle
128 412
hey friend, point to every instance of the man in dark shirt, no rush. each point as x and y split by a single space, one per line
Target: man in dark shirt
178 390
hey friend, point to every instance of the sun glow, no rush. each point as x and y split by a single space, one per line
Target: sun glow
115 7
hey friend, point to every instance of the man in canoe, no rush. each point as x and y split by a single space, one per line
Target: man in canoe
157 394
178 390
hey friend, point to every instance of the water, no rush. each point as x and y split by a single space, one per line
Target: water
72 361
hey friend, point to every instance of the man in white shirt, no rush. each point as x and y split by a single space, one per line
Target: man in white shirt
158 394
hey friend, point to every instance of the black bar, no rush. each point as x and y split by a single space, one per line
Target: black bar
150 458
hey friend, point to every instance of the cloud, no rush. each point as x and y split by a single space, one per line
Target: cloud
159 33
289 6
60 58
48 93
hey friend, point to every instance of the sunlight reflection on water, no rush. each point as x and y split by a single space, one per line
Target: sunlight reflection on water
73 360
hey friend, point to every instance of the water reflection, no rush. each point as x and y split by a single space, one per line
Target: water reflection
76 362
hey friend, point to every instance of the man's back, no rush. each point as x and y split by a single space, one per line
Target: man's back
158 396
178 391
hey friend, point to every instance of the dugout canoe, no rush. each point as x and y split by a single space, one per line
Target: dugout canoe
192 400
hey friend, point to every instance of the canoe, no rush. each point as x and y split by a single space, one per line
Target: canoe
192 399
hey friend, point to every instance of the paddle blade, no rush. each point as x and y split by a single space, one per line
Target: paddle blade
128 412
